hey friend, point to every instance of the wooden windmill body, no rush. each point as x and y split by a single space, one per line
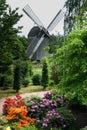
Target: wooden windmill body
39 36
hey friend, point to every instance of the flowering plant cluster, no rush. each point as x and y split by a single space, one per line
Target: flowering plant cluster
46 113
19 115
49 113
16 113
17 101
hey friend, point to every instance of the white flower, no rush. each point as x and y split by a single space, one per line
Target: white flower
8 128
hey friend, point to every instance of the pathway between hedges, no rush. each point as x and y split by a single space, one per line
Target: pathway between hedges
39 94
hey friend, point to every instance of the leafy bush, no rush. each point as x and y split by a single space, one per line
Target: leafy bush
44 78
17 77
71 64
26 72
60 119
18 117
16 113
17 101
85 128
45 111
29 128
26 81
36 79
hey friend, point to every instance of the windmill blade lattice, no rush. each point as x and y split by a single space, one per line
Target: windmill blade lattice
37 46
32 15
56 20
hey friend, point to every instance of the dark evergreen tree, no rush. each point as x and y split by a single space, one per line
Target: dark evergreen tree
45 78
8 38
17 77
26 72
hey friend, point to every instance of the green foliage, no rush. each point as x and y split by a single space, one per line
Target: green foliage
69 120
55 116
26 81
72 58
55 43
8 40
85 128
76 14
45 78
29 128
36 79
26 72
17 76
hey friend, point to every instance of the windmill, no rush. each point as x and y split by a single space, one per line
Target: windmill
39 35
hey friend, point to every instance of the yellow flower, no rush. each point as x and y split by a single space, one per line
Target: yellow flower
8 128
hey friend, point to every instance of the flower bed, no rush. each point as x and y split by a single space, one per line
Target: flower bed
49 112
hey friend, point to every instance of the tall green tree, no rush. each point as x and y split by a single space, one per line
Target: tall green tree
8 37
45 78
17 76
54 45
72 57
73 9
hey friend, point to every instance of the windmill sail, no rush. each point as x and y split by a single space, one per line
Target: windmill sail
32 15
56 20
31 46
37 46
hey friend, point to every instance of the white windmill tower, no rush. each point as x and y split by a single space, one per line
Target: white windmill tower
39 35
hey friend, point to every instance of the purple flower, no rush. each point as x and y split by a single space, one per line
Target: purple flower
62 118
35 106
49 114
28 108
45 124
45 120
70 111
38 121
42 105
64 126
33 110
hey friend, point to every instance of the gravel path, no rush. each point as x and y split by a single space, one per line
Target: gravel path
39 94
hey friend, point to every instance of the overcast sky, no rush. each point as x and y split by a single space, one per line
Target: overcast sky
44 9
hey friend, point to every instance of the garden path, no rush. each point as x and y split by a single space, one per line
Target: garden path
39 94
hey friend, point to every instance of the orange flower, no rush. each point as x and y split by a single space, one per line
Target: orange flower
19 126
20 115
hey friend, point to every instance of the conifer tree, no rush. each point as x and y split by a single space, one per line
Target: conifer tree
8 38
44 79
17 77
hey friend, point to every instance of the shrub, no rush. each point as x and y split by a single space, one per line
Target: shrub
45 79
19 117
47 113
68 117
36 79
55 119
29 128
17 77
85 128
12 102
26 81
26 72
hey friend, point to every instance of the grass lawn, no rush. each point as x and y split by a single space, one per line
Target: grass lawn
37 70
11 92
